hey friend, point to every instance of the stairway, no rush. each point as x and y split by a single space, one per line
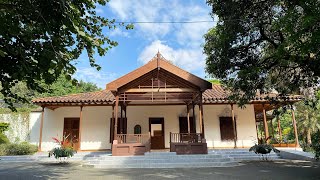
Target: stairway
243 154
161 160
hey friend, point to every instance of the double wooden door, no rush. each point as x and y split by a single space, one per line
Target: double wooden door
71 131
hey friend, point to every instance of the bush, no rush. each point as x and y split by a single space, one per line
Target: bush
23 148
3 139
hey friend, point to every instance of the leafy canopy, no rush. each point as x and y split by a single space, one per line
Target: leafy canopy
40 39
264 45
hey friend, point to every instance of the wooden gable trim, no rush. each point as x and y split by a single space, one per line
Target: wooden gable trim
160 63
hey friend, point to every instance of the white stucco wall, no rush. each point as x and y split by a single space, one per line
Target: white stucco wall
96 121
246 128
94 132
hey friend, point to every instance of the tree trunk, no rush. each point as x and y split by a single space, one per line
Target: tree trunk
309 136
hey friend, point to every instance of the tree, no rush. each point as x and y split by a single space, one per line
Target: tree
40 39
308 117
265 45
62 86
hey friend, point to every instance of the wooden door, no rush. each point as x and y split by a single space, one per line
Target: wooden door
156 128
183 125
71 131
226 128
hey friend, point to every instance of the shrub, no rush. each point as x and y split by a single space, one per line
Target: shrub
23 148
3 139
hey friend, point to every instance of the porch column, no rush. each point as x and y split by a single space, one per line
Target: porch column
41 127
265 124
188 118
234 127
279 129
116 117
194 119
294 126
121 119
112 124
80 127
201 116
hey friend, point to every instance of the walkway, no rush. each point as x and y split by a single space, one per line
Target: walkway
283 169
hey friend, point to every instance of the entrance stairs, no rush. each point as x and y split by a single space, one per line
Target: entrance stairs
161 160
244 154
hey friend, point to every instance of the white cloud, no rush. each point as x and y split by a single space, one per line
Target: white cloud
177 42
189 59
90 74
119 32
162 11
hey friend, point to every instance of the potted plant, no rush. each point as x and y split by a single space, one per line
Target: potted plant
63 150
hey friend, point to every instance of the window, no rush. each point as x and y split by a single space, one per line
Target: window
226 128
137 129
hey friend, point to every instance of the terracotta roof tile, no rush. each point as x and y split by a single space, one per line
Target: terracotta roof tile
103 96
211 96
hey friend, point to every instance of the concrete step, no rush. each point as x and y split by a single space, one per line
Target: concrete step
166 165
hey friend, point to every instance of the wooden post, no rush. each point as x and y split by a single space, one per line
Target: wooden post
41 127
295 126
234 127
116 118
265 124
80 127
279 129
112 124
201 116
121 119
188 118
194 119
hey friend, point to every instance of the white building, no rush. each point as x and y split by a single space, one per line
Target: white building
156 106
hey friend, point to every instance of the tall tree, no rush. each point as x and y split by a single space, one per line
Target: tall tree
308 118
266 45
39 39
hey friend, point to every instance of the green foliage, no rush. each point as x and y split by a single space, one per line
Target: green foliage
39 41
266 45
215 81
3 126
61 152
3 139
23 148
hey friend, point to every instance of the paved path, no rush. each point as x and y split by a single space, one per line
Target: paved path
249 170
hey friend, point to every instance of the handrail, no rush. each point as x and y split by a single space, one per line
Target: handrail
185 137
133 138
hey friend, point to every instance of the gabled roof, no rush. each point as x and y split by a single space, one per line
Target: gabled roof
216 95
158 62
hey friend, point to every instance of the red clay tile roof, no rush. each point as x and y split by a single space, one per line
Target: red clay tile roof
218 95
98 97
211 96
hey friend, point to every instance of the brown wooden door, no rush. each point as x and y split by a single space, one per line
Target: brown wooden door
156 128
71 131
226 128
183 125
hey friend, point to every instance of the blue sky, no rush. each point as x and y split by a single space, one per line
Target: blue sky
179 43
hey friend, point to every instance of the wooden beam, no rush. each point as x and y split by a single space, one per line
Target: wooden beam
201 116
295 127
80 127
152 90
234 127
265 124
116 118
41 127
